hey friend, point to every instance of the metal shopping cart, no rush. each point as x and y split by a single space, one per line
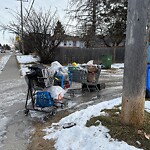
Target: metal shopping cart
90 78
38 98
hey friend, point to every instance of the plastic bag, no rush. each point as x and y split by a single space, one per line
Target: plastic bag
55 66
90 62
56 92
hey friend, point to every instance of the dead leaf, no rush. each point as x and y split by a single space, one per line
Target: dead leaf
139 132
147 136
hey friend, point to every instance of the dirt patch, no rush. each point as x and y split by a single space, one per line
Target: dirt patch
37 141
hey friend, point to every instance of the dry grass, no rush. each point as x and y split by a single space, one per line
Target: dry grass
139 138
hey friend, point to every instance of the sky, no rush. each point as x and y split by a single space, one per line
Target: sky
6 15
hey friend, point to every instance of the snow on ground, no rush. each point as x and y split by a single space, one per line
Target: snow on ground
118 66
24 69
26 59
81 137
3 62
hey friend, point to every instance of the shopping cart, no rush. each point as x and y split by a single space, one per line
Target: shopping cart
38 99
90 79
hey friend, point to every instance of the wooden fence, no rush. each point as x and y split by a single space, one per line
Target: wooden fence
83 55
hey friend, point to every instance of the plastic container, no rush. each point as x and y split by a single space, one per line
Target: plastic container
148 54
76 73
148 81
60 80
107 61
44 99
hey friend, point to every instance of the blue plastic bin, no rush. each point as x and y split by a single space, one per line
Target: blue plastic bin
62 79
148 81
149 54
44 99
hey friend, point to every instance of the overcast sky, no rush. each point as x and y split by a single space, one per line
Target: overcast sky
14 6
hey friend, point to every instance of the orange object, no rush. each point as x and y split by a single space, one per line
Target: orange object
59 97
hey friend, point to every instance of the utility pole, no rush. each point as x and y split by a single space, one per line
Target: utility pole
133 97
21 16
22 38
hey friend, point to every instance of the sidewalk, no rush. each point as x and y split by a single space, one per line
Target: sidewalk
11 70
15 127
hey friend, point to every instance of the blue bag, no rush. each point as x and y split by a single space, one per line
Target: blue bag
44 99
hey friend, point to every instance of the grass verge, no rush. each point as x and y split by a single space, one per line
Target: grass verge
139 138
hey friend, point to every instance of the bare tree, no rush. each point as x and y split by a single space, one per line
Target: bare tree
135 64
41 29
39 33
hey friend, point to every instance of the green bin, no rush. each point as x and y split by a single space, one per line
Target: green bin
107 61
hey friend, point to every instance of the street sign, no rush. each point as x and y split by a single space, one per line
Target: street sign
17 38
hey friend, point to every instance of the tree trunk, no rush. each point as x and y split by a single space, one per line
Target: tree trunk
133 97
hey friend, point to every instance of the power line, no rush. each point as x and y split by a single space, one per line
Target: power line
30 8
29 4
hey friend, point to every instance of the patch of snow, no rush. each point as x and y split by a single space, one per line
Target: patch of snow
81 137
117 65
3 62
26 59
24 69
71 104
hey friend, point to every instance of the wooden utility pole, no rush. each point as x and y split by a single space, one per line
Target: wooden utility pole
21 17
133 97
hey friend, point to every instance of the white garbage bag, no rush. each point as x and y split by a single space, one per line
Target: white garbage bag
90 62
57 67
56 92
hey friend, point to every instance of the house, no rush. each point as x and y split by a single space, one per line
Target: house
72 41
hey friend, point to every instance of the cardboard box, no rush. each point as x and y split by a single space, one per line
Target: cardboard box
92 68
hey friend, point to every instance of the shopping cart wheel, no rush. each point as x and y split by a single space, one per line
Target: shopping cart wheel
62 106
26 112
49 115
98 95
54 112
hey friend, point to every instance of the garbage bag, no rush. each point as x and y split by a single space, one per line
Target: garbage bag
56 92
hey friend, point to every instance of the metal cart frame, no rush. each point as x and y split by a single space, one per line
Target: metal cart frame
30 99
